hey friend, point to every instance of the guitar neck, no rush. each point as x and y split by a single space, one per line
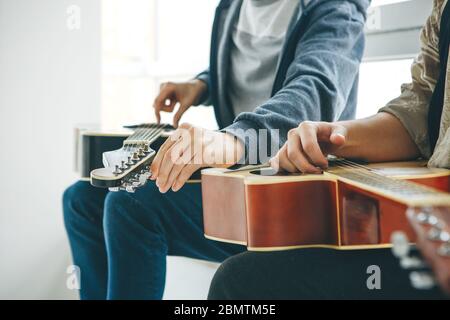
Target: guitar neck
406 192
146 134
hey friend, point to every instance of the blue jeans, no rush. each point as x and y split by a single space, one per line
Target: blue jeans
120 241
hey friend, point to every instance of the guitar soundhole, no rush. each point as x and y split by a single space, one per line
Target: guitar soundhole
360 220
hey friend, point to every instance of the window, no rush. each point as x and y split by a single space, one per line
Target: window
146 42
379 83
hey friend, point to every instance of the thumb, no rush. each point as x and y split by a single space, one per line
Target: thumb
338 135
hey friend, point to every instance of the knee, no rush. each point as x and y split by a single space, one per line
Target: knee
123 209
81 200
223 285
74 197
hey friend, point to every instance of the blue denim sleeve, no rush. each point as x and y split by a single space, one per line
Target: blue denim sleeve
205 100
318 81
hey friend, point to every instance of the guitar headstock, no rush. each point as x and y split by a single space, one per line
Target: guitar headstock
432 228
128 168
124 169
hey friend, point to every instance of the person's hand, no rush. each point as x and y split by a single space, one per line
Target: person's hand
308 146
185 94
189 149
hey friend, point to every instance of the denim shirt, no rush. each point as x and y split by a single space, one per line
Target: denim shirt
317 75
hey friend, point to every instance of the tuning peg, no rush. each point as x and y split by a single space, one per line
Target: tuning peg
145 173
130 161
135 156
421 216
400 244
131 189
128 187
436 234
141 152
427 218
145 176
422 280
123 166
444 250
117 170
136 181
401 249
145 148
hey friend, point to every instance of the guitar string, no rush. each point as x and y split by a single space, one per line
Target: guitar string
149 135
365 171
156 129
143 134
379 178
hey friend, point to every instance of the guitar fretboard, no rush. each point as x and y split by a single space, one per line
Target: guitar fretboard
145 134
400 188
403 190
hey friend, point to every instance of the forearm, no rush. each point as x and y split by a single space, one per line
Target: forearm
379 138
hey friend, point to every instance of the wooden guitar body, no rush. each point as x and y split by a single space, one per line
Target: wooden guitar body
342 208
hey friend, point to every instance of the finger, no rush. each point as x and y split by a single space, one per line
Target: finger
165 93
183 158
296 155
281 162
166 184
338 136
173 154
156 164
181 110
167 163
184 176
310 145
165 108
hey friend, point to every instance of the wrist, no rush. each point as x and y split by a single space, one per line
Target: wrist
234 150
352 140
199 87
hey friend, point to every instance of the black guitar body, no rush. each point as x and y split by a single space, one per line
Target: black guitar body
91 150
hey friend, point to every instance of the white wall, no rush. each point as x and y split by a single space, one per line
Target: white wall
49 81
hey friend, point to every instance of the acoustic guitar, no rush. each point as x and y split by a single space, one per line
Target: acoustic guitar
350 206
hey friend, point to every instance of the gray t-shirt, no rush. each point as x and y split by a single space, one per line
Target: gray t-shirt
256 44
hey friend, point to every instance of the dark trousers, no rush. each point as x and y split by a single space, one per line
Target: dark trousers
314 274
120 241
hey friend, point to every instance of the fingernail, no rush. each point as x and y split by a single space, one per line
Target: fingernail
157 183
